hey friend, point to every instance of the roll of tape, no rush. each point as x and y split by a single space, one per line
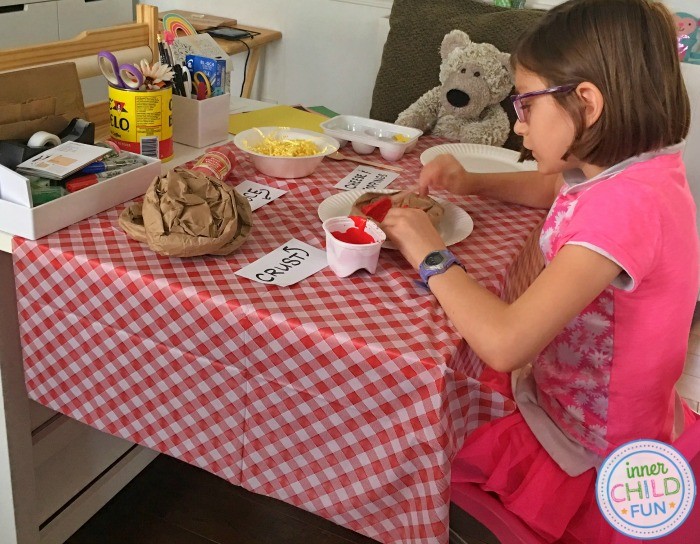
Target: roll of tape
42 139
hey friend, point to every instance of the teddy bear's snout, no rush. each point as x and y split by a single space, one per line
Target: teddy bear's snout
457 98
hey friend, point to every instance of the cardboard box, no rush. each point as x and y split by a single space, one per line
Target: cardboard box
200 123
42 98
33 223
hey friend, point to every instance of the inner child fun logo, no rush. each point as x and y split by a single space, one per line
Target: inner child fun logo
645 489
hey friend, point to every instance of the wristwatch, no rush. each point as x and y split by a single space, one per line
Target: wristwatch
436 262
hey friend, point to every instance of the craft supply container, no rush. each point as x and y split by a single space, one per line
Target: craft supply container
199 123
345 258
366 135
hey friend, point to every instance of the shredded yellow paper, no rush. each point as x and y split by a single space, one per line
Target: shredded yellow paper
275 146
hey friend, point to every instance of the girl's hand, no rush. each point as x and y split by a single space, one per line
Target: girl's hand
413 233
445 172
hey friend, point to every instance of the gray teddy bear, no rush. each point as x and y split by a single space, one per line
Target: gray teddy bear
474 78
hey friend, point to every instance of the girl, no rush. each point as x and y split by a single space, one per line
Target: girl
604 111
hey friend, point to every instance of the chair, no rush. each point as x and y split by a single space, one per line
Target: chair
129 42
490 512
509 529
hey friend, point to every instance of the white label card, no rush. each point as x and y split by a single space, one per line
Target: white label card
286 265
258 194
367 178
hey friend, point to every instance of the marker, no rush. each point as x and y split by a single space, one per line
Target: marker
113 164
75 184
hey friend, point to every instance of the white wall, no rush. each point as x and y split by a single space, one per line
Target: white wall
329 53
330 49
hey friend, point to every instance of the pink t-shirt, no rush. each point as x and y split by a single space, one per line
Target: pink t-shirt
609 376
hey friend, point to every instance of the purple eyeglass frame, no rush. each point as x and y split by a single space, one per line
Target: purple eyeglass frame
517 98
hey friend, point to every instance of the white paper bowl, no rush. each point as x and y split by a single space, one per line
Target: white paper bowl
285 167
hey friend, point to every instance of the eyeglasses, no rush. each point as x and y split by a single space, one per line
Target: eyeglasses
518 98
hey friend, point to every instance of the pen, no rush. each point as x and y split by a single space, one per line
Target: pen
169 38
161 51
168 54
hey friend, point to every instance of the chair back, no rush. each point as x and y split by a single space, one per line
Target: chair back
129 42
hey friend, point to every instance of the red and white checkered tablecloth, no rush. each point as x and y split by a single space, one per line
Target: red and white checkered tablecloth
345 397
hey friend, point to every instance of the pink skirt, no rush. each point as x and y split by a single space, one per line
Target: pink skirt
504 457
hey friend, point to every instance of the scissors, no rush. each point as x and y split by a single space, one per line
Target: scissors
202 85
123 76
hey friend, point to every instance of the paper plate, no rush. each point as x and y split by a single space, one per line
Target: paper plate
480 158
455 226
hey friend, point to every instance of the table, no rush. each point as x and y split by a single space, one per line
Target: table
345 397
256 44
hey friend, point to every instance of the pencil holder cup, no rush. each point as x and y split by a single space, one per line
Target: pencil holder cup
352 243
200 123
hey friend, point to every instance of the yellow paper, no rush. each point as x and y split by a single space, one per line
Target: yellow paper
276 116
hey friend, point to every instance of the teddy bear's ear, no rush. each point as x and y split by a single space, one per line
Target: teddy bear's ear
453 40
505 61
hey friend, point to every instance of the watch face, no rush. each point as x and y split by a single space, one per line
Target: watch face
434 259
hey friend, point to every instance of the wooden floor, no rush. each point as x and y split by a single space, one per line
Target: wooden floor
172 502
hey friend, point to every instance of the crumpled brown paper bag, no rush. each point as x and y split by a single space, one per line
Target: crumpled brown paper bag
186 214
402 199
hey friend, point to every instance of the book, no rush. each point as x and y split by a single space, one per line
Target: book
198 44
61 161
204 46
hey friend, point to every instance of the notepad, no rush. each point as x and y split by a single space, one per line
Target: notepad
275 116
61 161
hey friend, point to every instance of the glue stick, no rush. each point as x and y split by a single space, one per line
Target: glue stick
216 162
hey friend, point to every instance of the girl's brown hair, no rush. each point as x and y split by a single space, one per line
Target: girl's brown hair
629 50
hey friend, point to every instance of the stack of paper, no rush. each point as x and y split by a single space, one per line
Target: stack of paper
276 116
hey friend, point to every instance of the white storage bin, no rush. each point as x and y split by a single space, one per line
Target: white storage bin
33 223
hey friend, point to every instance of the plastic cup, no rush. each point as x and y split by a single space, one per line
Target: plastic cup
344 257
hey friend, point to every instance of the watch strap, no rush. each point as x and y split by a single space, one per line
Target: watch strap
427 273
